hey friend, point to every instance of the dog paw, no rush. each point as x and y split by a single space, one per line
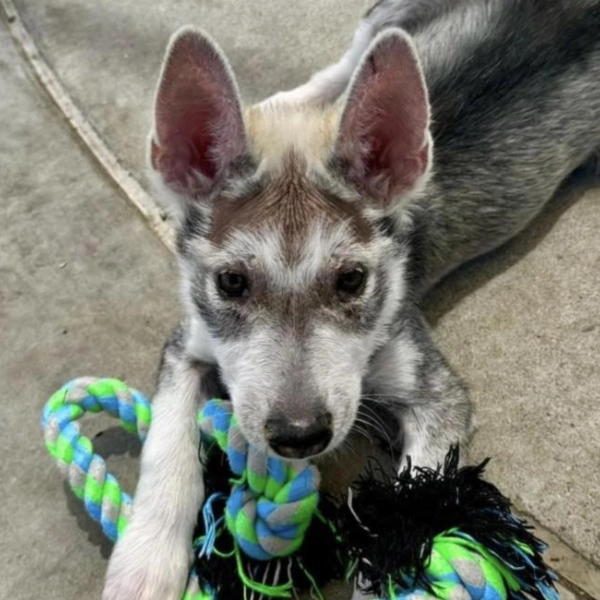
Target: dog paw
142 568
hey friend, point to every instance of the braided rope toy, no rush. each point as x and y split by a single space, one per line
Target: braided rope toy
400 537
84 470
460 567
442 533
272 503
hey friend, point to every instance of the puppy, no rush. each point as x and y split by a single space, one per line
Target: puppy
309 226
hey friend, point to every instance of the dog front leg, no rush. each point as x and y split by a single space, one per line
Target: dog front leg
413 383
151 561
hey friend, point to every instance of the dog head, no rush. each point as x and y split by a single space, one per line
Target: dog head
289 279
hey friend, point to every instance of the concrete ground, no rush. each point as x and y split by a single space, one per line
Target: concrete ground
87 288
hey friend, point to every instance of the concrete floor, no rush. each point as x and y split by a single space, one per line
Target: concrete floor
87 287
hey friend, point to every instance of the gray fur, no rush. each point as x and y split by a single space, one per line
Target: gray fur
515 93
514 87
516 109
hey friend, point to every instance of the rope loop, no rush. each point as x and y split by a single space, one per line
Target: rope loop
273 501
84 470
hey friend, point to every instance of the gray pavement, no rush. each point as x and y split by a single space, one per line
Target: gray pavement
86 289
522 326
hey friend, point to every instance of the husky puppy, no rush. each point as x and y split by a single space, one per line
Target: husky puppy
309 227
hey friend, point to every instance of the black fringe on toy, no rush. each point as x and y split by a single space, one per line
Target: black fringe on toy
390 525
318 561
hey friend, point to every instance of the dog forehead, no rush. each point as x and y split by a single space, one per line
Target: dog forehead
291 201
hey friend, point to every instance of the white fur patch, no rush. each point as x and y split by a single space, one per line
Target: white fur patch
151 560
276 130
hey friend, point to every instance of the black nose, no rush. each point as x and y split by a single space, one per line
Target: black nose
299 439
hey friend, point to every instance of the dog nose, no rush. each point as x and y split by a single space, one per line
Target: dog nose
300 438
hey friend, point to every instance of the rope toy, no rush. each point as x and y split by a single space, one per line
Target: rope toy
85 471
442 533
265 531
269 502
272 503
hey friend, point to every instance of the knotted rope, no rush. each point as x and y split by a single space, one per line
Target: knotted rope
460 567
272 503
442 533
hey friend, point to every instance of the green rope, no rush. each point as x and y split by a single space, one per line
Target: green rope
271 502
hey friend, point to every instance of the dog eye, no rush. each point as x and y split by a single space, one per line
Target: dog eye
232 284
350 282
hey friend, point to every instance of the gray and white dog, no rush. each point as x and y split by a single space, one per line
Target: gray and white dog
309 227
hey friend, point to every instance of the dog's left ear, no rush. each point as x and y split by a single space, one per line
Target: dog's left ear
383 143
198 124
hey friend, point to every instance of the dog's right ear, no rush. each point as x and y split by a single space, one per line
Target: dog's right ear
198 124
384 140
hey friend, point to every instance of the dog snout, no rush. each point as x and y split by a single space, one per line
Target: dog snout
299 438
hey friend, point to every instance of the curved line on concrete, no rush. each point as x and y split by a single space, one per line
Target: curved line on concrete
128 184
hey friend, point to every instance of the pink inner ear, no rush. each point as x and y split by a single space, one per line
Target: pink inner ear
384 126
199 126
